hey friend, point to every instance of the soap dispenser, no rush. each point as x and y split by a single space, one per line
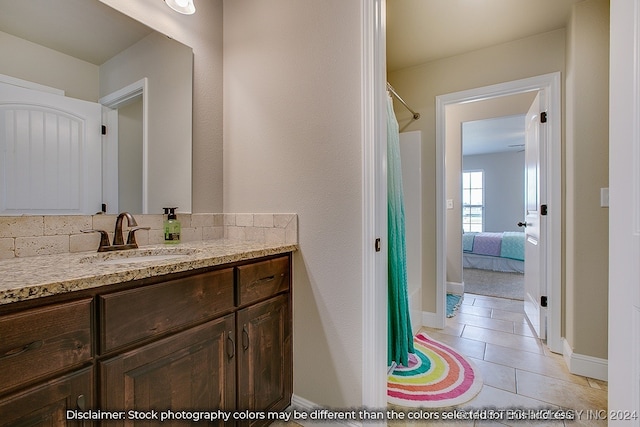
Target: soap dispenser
171 226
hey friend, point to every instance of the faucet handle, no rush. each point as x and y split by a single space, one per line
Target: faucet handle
104 238
131 237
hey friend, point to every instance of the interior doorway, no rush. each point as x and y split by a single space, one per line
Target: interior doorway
493 166
456 108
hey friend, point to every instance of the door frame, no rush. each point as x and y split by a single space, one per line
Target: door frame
112 102
374 205
549 84
624 211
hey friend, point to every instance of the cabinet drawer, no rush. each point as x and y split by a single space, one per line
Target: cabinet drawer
46 404
262 279
43 340
137 314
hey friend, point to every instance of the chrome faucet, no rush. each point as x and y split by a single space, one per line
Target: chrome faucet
118 235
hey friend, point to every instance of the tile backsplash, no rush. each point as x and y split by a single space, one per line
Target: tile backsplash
23 236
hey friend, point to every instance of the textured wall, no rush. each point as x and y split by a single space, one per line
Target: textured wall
504 188
203 32
587 170
292 142
29 61
420 85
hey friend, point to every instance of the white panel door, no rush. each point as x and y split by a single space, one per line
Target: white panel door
534 246
50 153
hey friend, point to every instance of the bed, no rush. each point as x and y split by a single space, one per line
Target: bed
496 251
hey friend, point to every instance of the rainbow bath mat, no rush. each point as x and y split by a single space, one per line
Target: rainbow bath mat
437 377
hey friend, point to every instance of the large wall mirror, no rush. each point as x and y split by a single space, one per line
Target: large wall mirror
141 81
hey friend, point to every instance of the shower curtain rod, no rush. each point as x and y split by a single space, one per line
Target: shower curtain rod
390 88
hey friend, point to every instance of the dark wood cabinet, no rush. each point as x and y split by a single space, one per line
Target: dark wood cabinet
37 343
44 349
137 314
193 370
47 404
264 356
213 339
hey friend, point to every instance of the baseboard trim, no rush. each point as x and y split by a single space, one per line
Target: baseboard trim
430 319
587 366
303 405
455 288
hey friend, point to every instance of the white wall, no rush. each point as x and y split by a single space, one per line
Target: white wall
410 155
167 65
503 188
130 157
203 32
292 140
587 171
456 114
418 86
585 153
29 61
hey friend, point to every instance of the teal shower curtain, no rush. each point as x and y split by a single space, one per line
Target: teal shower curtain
400 336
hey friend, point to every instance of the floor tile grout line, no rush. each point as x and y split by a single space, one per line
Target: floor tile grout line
464 325
505 347
485 342
502 346
505 309
568 383
548 360
537 373
541 399
504 332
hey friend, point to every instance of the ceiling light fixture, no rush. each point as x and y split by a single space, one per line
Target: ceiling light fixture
185 7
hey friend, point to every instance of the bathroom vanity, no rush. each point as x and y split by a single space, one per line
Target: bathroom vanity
206 327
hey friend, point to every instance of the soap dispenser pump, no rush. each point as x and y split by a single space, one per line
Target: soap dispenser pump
171 226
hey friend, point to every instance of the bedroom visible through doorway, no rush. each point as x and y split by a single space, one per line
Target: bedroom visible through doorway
493 205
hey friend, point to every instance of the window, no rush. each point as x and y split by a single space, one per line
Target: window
473 201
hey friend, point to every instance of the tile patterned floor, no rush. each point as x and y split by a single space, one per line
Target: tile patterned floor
518 370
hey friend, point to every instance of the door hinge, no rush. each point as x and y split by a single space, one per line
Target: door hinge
543 301
543 117
103 208
377 245
104 129
543 210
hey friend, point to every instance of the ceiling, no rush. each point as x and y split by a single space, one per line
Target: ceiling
500 134
419 31
83 29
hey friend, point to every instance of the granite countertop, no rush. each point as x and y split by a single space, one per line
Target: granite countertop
39 276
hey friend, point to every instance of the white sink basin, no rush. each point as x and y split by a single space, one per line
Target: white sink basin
137 256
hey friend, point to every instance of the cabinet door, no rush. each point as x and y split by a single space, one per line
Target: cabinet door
46 405
193 370
264 355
